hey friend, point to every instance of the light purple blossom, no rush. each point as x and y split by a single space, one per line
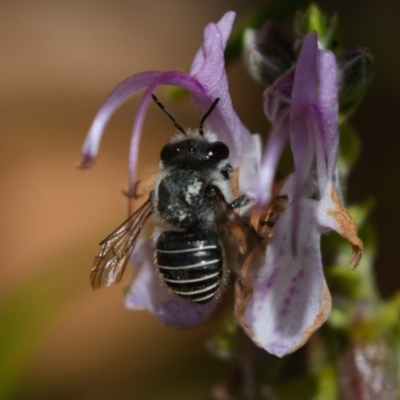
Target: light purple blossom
286 284
280 294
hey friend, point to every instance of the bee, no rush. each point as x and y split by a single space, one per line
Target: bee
198 230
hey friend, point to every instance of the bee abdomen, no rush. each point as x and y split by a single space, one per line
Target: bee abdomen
191 265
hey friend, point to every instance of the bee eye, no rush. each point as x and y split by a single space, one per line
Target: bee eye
218 150
169 151
211 192
165 152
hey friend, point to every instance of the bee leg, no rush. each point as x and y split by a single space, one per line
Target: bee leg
141 188
241 201
271 221
226 172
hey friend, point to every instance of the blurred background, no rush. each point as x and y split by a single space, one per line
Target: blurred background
59 59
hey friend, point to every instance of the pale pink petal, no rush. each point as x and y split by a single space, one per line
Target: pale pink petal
115 99
148 292
304 102
224 28
277 140
288 299
314 131
328 101
209 68
121 93
278 96
250 164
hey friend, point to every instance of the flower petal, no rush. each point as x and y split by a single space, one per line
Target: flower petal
332 215
115 99
304 101
314 112
281 297
209 69
277 97
250 164
147 292
119 95
328 100
269 163
313 121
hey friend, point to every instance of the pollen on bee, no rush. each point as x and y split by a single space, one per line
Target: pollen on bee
193 190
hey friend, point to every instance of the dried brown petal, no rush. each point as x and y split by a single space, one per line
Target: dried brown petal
346 227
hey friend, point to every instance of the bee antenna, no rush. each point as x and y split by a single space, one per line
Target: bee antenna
210 110
177 126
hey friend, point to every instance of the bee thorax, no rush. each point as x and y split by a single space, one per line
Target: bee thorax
181 200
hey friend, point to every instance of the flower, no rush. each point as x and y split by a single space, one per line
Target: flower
280 293
286 284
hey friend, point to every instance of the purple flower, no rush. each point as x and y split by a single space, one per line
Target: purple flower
280 294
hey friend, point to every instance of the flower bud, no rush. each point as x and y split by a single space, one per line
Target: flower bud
268 54
356 71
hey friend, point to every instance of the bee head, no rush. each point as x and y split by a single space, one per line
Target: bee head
194 153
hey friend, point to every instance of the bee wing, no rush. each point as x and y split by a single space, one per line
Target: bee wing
116 249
